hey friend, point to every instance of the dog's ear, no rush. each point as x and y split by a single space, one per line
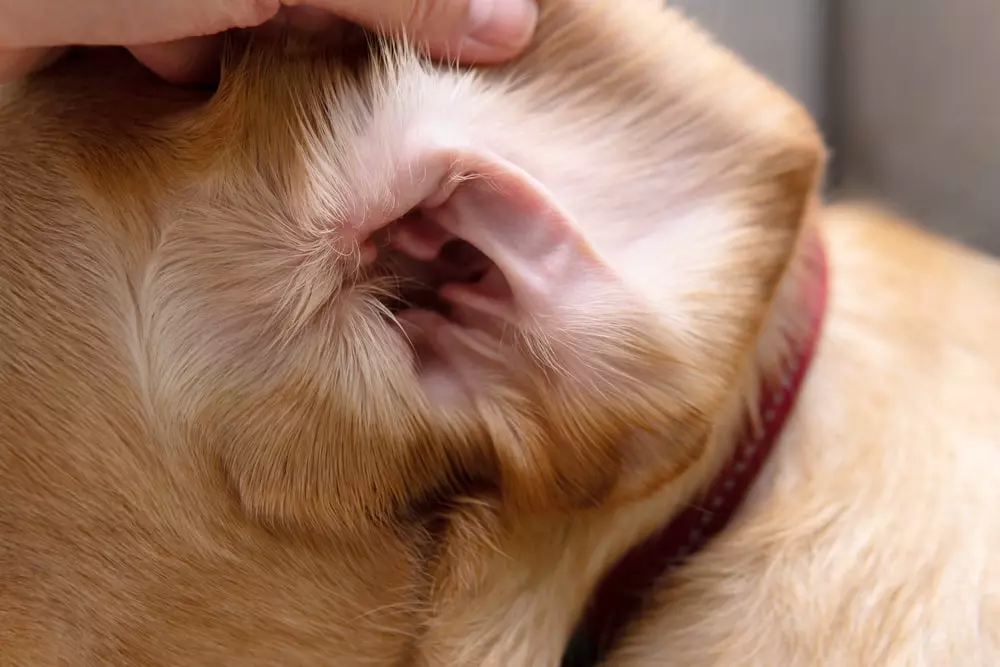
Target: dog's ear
675 181
664 182
641 191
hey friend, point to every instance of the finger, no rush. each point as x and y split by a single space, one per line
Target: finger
57 22
18 62
465 30
184 61
196 60
308 17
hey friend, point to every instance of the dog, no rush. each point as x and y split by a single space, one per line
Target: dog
360 360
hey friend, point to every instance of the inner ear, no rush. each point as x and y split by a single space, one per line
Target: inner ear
503 252
531 329
507 269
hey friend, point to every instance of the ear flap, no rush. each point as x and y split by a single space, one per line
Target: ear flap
638 201
636 268
560 360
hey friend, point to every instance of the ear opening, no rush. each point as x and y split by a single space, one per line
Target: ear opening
526 256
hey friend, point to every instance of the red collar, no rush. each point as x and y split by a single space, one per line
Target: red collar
619 596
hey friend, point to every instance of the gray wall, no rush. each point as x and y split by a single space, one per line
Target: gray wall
907 91
783 38
917 105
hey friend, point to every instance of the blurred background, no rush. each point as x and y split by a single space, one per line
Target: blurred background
907 93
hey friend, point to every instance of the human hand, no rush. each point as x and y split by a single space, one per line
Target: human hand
179 39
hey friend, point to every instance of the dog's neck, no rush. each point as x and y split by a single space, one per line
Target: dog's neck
783 355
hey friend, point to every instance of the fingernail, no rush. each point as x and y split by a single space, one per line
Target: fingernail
502 25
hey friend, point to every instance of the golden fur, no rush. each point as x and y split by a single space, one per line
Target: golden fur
215 447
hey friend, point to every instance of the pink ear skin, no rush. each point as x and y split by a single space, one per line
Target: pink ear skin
536 256
509 217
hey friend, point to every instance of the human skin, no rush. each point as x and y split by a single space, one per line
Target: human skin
179 40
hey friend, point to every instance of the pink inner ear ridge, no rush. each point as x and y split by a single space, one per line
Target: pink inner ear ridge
541 267
421 238
512 220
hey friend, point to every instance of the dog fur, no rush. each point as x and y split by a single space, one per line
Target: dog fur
216 448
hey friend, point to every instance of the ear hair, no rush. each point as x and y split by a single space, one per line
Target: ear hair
710 142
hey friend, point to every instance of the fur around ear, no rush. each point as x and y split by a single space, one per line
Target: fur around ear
640 189
516 347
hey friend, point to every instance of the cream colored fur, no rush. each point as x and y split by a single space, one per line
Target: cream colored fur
870 539
215 447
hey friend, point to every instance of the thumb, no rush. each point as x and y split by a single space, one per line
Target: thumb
465 30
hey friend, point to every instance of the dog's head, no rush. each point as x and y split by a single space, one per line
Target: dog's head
248 336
